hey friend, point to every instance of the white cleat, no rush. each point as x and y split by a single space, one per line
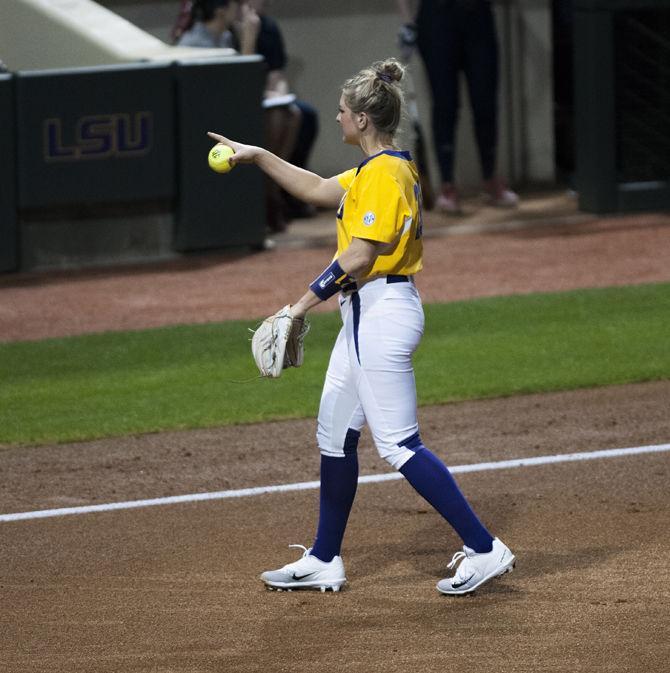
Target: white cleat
477 569
307 573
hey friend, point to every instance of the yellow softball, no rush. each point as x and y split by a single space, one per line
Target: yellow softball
218 158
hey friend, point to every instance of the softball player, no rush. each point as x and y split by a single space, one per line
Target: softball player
370 378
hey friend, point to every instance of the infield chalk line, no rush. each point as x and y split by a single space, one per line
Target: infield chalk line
310 485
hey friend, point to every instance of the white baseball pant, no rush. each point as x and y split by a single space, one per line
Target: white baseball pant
370 377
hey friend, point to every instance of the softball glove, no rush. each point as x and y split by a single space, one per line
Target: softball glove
278 343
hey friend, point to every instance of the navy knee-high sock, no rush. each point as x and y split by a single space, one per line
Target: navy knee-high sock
339 478
432 480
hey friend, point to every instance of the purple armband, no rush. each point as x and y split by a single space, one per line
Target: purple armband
331 281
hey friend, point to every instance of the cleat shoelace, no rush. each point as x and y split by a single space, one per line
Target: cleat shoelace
456 558
299 546
462 570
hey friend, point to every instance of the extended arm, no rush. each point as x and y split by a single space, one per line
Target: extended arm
303 184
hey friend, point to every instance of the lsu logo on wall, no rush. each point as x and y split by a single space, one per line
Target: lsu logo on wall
101 136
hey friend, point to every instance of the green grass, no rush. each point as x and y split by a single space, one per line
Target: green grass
184 377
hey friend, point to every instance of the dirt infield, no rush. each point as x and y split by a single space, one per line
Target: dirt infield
175 588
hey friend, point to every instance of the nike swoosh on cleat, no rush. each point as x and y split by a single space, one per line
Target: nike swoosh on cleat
458 586
297 578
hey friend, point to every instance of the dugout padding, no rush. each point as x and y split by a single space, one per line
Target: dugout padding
215 210
8 219
100 135
108 164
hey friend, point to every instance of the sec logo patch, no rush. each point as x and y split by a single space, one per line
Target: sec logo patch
368 218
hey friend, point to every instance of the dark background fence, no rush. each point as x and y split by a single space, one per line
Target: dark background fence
8 228
622 104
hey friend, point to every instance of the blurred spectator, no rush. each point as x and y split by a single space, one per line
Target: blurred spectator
291 124
454 36
3 67
209 23
184 21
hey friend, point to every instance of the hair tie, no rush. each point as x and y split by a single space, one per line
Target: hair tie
384 77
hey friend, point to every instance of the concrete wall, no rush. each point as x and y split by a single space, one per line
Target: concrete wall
47 34
527 96
328 41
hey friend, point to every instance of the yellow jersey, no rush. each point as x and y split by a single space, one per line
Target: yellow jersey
382 202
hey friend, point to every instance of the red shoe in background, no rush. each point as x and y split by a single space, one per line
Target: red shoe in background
447 201
499 195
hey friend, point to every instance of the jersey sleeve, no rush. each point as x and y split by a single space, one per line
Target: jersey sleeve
380 208
345 179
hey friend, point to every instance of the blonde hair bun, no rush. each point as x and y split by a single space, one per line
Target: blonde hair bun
375 91
390 70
